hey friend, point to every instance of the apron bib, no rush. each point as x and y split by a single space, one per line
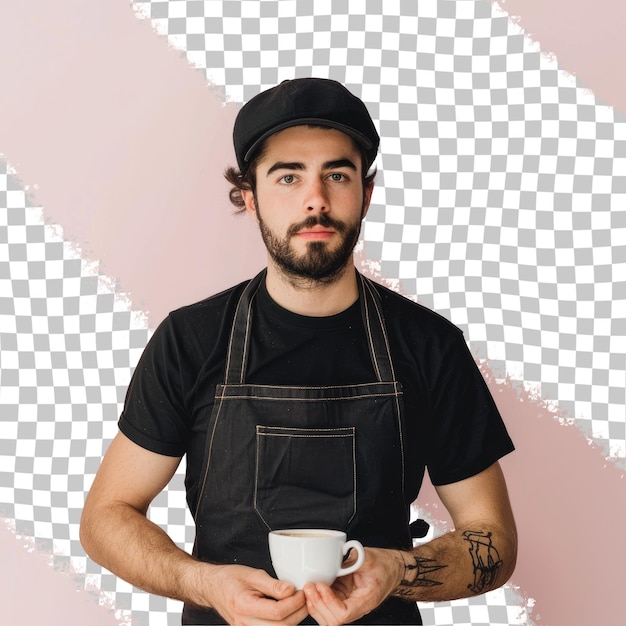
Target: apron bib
303 457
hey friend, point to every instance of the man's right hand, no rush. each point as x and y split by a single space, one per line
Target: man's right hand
245 596
116 533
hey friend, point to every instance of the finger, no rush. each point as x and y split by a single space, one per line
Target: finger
287 620
323 605
343 605
280 610
297 617
271 587
333 599
343 586
292 604
315 606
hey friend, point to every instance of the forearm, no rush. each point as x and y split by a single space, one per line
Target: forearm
124 541
459 564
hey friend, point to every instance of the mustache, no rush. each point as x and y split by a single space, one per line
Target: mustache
320 220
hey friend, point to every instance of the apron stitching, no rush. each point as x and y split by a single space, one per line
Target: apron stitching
399 420
229 352
369 335
298 436
393 375
297 387
256 397
295 428
221 398
210 450
229 373
354 498
384 332
351 434
231 340
256 485
244 356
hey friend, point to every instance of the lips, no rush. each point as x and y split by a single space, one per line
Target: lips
316 227
315 233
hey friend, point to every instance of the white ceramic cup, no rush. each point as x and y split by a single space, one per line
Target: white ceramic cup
312 555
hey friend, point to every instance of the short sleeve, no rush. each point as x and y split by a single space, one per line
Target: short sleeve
467 433
153 413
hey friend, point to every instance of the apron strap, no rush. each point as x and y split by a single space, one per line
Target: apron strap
375 329
240 333
377 339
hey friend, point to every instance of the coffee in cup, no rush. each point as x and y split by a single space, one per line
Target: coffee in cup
303 555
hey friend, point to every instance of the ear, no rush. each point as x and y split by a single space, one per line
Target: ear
367 198
250 206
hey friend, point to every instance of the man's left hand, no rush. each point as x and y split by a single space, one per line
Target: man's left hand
355 595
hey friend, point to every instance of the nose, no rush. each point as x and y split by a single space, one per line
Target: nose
316 198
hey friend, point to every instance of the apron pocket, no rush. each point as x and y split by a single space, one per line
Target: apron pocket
305 477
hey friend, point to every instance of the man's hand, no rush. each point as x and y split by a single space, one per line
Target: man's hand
244 595
117 534
355 595
479 555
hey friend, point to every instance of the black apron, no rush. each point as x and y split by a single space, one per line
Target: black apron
303 457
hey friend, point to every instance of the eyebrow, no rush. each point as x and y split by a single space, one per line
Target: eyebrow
329 165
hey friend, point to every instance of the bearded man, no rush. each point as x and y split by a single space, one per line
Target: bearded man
307 397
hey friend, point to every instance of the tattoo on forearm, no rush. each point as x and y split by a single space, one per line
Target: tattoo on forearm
486 562
422 569
485 558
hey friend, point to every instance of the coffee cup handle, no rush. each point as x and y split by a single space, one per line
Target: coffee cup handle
353 543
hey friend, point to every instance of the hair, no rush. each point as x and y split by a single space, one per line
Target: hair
245 180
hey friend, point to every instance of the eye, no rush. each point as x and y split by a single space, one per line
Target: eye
287 179
337 177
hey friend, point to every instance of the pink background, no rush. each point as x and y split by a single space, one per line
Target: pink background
123 144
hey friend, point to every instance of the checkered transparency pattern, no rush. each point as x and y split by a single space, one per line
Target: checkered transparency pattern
68 343
502 182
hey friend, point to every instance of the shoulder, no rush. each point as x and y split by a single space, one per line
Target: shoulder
195 330
422 341
400 310
208 313
212 305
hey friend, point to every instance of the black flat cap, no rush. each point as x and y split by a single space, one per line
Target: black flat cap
303 101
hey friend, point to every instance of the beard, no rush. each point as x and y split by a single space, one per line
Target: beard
319 263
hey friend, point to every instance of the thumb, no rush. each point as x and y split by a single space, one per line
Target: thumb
283 589
272 587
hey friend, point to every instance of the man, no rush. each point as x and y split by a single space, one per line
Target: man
307 397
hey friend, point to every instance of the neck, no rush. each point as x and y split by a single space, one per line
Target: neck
311 297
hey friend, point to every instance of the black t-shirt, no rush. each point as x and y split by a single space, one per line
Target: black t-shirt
453 426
